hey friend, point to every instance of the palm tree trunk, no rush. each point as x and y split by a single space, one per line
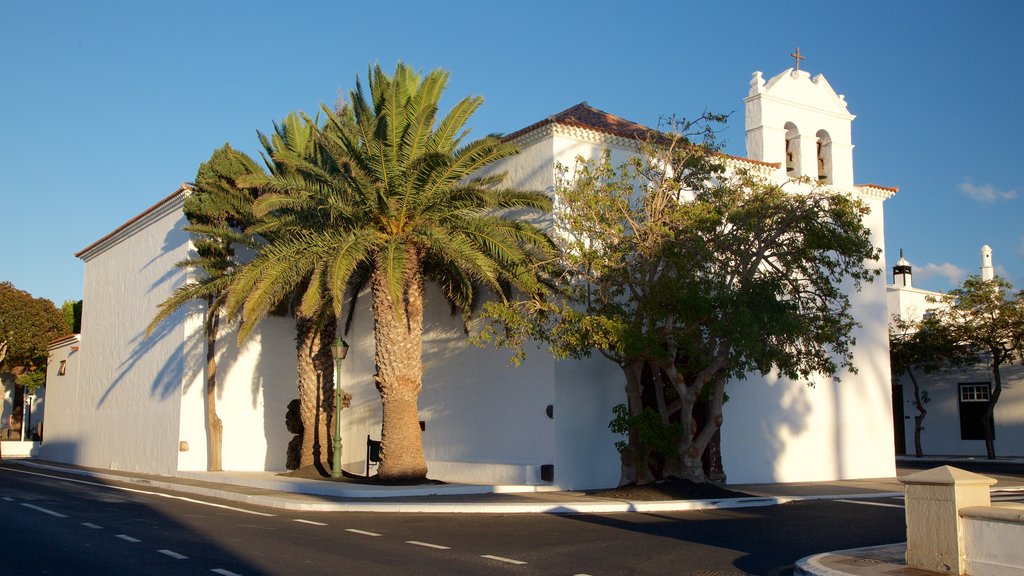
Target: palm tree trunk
307 344
398 331
214 425
324 362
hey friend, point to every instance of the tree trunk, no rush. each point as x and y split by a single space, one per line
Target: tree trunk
634 459
398 332
919 417
695 442
214 426
986 421
324 362
307 343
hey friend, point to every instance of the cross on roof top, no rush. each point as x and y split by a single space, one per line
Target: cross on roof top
796 56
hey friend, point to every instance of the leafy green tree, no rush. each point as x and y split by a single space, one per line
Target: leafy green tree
928 346
987 317
389 201
686 277
71 310
27 325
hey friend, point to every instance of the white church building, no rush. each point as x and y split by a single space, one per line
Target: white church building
956 398
136 403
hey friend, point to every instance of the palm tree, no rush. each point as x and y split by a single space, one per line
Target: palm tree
389 200
217 211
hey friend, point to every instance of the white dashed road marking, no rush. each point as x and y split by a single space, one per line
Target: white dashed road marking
427 545
44 510
501 559
309 522
173 554
868 503
224 572
91 525
8 499
127 538
363 532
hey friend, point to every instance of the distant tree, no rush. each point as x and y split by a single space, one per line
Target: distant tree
925 345
686 277
71 310
987 317
27 326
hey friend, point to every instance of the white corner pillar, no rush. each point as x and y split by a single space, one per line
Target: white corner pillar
934 529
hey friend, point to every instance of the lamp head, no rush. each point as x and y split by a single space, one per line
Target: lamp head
339 349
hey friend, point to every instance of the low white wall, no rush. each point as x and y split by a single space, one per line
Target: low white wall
992 537
19 449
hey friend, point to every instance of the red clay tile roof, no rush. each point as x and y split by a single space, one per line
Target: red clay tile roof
892 189
586 116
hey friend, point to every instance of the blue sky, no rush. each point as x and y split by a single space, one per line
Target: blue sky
108 106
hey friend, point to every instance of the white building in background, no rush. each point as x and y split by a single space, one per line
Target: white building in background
957 398
138 403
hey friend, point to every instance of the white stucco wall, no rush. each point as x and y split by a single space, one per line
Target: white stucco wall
477 409
123 413
778 430
909 303
69 351
585 393
255 382
941 434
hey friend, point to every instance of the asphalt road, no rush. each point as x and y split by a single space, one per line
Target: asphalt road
77 526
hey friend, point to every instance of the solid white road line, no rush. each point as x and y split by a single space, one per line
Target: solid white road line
122 488
224 572
501 559
91 525
309 522
127 538
427 545
363 532
173 554
44 510
869 503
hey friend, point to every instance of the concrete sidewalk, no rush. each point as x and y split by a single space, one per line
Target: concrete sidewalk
887 560
273 490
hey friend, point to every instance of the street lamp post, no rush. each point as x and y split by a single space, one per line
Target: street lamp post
339 350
